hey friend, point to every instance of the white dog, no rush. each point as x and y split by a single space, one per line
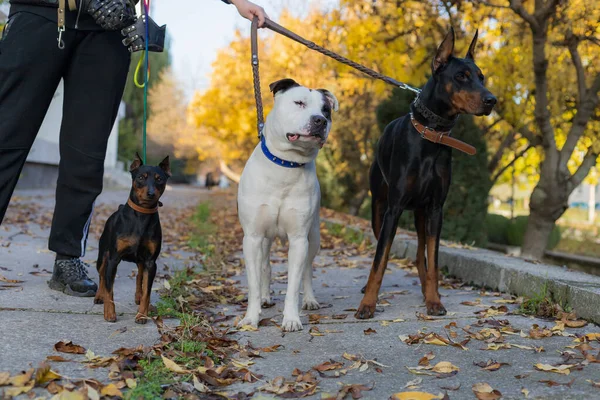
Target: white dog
279 196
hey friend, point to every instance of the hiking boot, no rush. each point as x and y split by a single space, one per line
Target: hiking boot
70 277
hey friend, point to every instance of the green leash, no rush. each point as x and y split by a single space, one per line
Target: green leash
145 85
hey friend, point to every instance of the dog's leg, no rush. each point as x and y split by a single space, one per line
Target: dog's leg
138 283
309 302
265 275
110 274
379 201
254 258
297 259
149 272
384 244
101 267
420 225
432 295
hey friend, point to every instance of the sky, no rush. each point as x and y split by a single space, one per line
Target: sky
198 28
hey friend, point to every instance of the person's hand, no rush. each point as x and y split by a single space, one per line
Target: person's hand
249 10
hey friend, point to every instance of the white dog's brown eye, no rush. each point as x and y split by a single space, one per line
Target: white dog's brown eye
300 103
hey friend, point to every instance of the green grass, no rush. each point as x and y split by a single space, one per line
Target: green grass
154 375
348 235
543 304
202 230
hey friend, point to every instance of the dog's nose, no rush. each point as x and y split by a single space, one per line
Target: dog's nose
318 120
490 100
151 195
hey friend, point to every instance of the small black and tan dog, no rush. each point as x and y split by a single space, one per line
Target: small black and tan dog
133 234
412 167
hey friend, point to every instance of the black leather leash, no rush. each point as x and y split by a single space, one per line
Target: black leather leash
311 45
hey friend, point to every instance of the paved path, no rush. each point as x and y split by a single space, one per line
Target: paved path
33 318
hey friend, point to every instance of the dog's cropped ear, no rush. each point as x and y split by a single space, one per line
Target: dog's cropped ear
165 166
282 85
471 52
137 162
330 97
444 52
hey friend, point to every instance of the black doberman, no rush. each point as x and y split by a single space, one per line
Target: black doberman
412 167
133 233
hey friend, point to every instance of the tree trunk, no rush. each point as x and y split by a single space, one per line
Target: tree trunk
537 234
547 204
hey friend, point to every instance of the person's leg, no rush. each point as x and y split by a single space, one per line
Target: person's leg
94 84
30 70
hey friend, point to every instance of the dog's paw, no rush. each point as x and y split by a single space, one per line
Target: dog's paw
267 302
110 317
310 304
291 324
253 322
365 311
435 308
141 319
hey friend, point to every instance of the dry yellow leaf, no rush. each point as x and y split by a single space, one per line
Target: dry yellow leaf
483 391
561 369
589 337
199 386
131 383
111 390
525 392
445 367
172 366
247 328
91 393
4 378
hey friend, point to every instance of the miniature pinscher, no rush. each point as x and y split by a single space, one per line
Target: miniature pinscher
412 167
133 234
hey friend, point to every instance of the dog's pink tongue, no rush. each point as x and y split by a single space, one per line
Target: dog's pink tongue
294 137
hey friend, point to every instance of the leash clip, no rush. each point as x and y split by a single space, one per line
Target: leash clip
61 43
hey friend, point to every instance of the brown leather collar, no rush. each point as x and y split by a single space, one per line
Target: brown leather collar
142 209
441 137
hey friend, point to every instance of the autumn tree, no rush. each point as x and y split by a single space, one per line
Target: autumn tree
548 51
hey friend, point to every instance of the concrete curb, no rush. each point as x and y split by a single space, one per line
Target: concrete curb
513 275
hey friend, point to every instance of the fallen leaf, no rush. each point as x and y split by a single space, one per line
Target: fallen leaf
575 323
22 379
553 383
471 303
413 383
131 383
415 396
594 384
424 361
328 365
172 366
445 367
561 369
483 391
247 328
434 338
57 359
271 349
490 365
354 390
538 333
423 317
5 279
111 390
44 375
199 386
369 331
339 316
590 337
525 392
69 347
4 378
91 393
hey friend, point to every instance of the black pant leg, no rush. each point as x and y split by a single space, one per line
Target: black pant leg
94 84
30 69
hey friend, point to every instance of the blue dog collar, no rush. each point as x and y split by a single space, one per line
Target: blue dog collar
275 159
